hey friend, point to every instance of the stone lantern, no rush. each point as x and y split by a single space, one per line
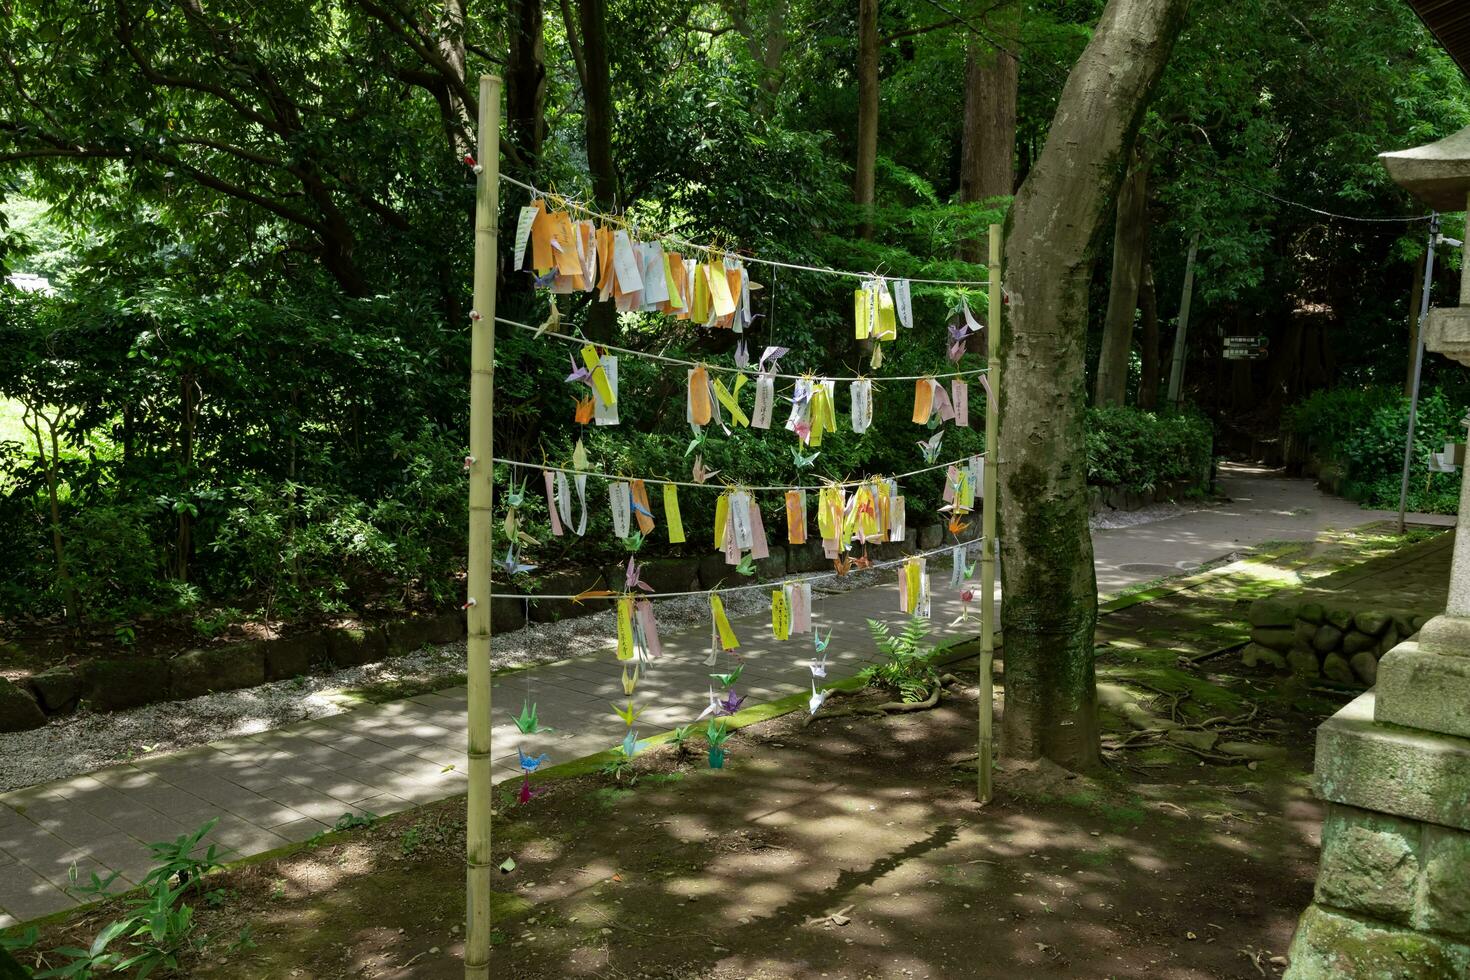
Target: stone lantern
1393 889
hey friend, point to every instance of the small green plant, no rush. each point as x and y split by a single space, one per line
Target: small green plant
411 840
348 821
679 738
158 931
212 624
125 635
908 671
620 767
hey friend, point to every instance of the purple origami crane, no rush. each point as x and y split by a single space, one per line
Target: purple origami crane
731 704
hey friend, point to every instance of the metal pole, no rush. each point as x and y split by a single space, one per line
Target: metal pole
1418 356
986 741
477 603
1176 369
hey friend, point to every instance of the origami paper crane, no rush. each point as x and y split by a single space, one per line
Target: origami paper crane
746 565
633 577
531 763
803 461
580 373
930 447
819 667
742 355
630 743
630 681
732 703
771 358
527 794
820 642
727 681
713 708
512 564
527 722
516 495
701 474
818 698
629 714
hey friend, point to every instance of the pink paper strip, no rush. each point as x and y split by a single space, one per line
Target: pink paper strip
643 609
732 550
941 403
801 608
951 477
758 546
960 393
556 527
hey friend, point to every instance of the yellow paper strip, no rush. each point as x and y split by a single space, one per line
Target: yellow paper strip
599 376
722 624
731 403
780 614
722 514
719 288
860 312
672 518
625 629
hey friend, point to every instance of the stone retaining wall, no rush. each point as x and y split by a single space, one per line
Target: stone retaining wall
129 682
1314 639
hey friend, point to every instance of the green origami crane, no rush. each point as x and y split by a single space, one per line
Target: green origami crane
628 714
527 722
728 680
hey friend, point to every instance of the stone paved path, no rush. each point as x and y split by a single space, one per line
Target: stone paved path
283 786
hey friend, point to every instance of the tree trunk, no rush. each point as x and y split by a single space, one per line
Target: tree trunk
451 46
1148 322
865 173
988 144
596 72
1416 300
525 80
1130 231
1049 588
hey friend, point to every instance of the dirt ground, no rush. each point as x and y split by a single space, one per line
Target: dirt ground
853 847
849 848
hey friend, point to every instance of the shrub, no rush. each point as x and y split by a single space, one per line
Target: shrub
1361 432
1141 451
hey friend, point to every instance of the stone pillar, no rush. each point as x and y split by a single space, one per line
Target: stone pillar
1393 889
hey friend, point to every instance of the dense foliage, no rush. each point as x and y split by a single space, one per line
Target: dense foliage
1146 451
1358 434
249 392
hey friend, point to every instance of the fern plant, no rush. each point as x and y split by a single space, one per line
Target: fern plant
908 671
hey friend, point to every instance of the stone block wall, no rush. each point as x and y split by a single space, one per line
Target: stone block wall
1392 900
1315 639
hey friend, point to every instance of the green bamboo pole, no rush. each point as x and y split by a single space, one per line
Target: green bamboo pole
984 790
477 614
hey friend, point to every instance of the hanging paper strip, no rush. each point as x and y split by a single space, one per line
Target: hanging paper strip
830 509
625 629
902 303
626 268
885 325
700 407
643 609
941 402
801 402
959 396
605 263
765 402
959 570
861 392
722 517
621 499
564 501
543 256
913 587
719 288
606 412
726 633
551 505
796 517
951 480
759 548
977 474
799 601
780 615
897 520
740 519
728 399
523 234
672 519
655 285
641 509
600 385
923 400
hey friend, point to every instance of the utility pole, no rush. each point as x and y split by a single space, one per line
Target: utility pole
1434 239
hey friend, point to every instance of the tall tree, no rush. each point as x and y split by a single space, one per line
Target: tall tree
1049 589
866 171
988 142
587 35
525 79
1130 235
1148 337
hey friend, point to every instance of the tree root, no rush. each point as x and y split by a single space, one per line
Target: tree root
888 708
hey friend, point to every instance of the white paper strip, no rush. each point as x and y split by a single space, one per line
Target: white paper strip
903 306
603 413
621 496
862 404
765 402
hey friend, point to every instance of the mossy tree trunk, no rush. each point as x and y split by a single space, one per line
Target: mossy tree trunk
865 172
1049 589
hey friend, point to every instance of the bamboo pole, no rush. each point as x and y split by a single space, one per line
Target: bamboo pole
984 790
482 454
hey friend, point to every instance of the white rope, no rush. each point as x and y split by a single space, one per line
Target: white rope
821 576
735 486
579 339
711 250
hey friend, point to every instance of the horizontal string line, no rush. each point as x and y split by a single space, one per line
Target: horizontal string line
711 250
736 486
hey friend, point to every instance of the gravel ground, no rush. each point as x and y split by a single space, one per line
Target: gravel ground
1109 519
87 741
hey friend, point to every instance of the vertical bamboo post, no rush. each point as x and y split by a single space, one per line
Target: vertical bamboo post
984 790
482 455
